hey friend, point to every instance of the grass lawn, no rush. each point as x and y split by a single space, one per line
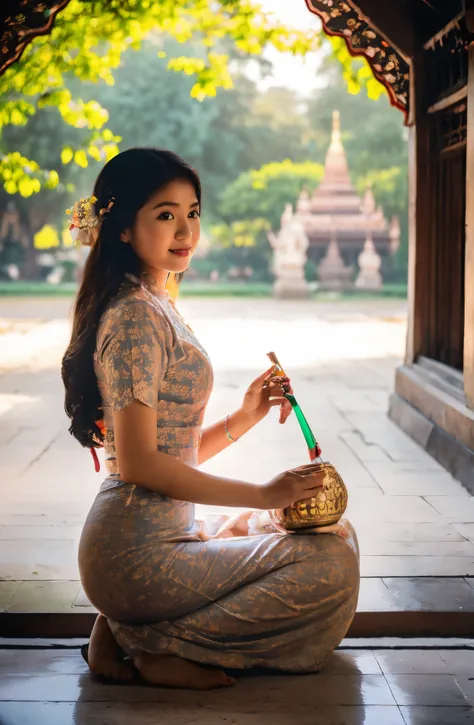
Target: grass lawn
199 289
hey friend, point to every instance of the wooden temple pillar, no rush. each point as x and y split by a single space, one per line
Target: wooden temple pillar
434 390
418 206
423 53
469 255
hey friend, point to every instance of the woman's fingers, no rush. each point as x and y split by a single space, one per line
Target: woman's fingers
285 411
312 481
277 388
280 380
306 469
277 393
316 482
276 401
267 376
262 380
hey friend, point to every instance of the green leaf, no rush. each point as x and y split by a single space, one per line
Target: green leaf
55 98
67 155
374 89
26 186
52 180
10 187
110 151
353 86
80 158
94 152
17 118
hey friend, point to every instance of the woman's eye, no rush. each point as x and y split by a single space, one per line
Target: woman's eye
195 214
165 216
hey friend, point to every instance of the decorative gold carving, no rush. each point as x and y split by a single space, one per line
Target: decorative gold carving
324 509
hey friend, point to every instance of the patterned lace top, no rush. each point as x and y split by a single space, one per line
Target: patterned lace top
146 352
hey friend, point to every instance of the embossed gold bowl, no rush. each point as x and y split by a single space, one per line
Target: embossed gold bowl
323 509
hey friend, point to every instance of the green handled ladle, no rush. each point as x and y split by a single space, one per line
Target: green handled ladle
313 447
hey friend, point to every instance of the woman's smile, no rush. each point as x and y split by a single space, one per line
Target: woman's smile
182 252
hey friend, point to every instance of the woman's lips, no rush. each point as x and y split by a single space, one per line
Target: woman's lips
181 252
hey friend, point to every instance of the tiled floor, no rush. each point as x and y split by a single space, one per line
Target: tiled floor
358 687
391 594
412 518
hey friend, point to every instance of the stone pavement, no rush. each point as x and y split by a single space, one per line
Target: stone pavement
412 518
46 686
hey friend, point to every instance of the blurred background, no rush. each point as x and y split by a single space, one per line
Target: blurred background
247 98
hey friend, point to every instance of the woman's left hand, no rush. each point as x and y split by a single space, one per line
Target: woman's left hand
265 393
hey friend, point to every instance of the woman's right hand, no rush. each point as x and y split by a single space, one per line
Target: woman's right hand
291 486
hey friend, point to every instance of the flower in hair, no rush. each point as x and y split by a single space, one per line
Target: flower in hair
85 223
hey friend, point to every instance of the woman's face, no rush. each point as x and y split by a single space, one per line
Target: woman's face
167 229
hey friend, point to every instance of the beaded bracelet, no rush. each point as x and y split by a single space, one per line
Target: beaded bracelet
232 440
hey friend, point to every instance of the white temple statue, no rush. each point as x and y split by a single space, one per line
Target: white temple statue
303 205
290 247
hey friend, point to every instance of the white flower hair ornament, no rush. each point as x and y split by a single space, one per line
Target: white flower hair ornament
85 223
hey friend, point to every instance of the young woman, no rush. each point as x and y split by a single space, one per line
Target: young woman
174 600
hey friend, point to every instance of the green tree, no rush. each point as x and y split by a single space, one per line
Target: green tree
251 206
239 246
222 137
390 187
88 40
263 193
151 105
44 138
282 126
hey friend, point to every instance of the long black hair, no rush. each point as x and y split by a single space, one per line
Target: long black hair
129 179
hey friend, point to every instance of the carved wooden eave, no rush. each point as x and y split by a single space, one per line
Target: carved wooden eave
20 22
392 21
361 24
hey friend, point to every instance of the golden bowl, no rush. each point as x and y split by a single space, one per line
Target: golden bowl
323 509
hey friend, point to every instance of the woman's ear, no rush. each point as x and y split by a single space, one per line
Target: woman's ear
125 237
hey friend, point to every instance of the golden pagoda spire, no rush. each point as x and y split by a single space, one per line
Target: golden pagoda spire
336 173
336 130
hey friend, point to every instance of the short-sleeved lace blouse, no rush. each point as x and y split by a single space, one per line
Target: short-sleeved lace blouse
146 352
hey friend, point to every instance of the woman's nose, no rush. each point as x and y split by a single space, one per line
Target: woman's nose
184 233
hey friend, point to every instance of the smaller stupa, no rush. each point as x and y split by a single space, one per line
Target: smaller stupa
369 277
332 272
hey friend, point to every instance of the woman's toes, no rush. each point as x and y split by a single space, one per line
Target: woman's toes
121 671
217 679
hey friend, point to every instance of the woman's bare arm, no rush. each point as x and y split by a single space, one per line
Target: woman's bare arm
140 463
214 438
263 393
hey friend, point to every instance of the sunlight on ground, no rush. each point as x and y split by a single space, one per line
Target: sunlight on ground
9 401
236 344
237 334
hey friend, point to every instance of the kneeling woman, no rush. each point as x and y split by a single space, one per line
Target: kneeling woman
137 380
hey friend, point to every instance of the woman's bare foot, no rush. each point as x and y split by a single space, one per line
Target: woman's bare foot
172 671
236 525
104 655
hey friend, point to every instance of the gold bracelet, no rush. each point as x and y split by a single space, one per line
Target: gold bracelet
232 440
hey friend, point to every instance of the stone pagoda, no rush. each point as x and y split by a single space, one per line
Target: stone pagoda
338 224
